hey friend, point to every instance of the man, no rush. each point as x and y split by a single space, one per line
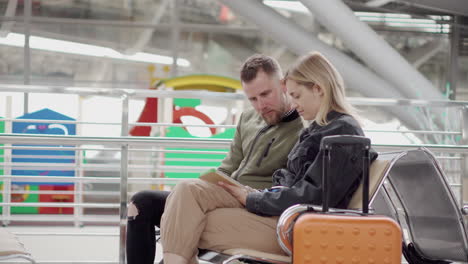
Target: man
263 139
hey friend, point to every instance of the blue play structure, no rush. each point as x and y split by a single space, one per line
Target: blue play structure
50 128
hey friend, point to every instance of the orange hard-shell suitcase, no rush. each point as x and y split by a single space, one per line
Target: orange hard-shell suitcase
327 238
345 237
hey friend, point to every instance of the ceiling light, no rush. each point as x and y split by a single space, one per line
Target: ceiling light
55 45
294 6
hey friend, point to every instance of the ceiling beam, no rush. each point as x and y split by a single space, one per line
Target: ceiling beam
458 7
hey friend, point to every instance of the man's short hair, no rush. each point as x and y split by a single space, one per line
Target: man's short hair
256 63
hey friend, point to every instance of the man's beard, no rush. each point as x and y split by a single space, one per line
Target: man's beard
273 118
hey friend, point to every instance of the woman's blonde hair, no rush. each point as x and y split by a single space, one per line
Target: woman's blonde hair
315 69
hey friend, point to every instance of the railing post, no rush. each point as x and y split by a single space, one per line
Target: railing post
464 165
123 182
7 159
79 173
27 51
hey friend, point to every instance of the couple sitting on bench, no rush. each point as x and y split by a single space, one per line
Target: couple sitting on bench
198 214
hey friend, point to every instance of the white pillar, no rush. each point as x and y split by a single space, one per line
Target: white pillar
372 49
379 55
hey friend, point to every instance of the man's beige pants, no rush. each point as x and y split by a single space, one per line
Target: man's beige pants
199 214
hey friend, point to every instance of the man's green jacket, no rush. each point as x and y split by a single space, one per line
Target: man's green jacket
258 149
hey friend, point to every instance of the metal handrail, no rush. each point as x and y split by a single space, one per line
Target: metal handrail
183 142
68 148
15 120
19 178
455 133
459 149
137 93
118 141
116 92
96 167
159 124
153 159
63 204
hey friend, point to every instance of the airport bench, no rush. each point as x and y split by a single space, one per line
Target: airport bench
418 196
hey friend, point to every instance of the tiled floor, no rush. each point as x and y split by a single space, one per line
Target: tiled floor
53 245
71 245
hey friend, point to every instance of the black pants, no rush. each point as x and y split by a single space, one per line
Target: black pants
141 240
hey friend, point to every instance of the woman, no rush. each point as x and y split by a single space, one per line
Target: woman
199 214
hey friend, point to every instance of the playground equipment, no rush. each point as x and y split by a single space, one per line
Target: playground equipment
151 113
42 157
154 108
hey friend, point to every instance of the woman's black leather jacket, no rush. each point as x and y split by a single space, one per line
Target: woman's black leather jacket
302 178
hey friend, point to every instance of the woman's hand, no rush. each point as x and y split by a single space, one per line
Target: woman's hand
240 193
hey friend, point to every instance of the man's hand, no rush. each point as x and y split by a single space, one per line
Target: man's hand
240 193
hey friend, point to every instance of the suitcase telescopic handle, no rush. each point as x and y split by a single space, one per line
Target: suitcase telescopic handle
326 146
